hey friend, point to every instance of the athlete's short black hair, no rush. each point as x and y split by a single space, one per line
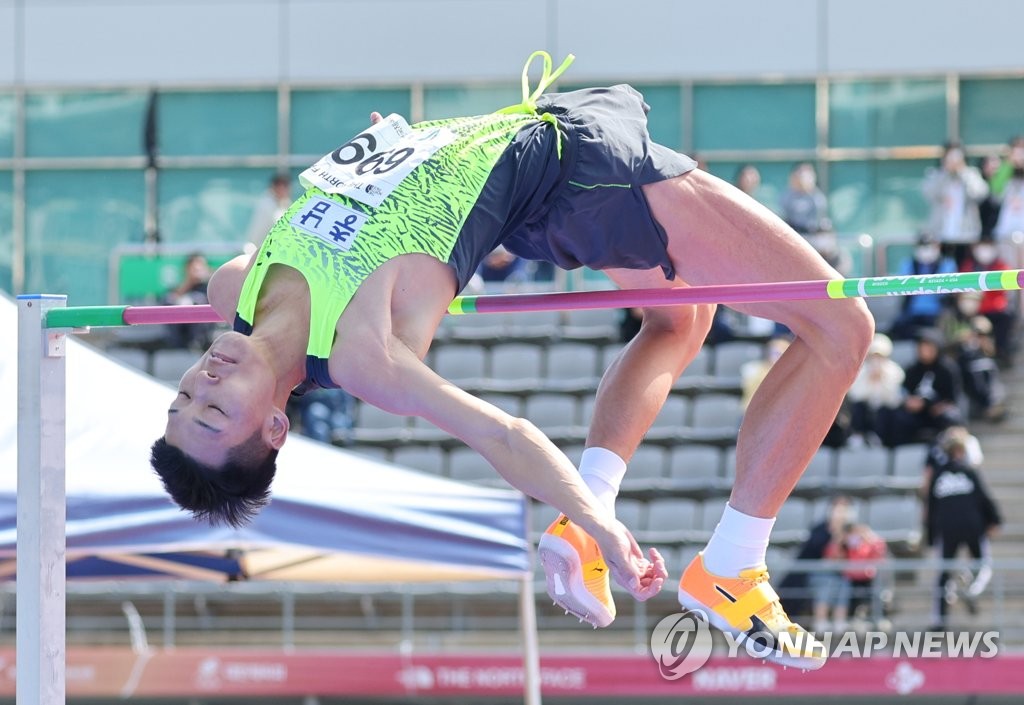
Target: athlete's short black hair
231 494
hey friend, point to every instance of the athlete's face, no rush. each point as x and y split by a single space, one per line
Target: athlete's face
222 400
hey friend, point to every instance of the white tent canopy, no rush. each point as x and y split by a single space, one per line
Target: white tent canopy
334 516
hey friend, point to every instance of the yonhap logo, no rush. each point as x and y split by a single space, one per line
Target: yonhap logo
681 643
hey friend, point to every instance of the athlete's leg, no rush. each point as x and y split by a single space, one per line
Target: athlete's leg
636 384
717 235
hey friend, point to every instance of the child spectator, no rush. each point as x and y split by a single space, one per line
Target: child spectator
959 512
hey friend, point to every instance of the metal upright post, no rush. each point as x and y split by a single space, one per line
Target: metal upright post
41 504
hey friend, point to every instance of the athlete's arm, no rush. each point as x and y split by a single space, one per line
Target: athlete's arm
391 376
225 286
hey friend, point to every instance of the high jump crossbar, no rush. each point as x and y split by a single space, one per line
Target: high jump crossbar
100 316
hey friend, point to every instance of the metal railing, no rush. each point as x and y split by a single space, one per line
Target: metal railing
440 616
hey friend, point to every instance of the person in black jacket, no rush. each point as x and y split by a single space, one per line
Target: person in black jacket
958 512
932 386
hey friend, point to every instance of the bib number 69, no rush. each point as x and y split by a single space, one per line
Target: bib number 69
385 161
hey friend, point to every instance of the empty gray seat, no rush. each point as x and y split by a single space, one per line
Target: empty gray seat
717 410
673 414
573 362
700 366
672 519
460 363
895 518
647 463
551 410
695 464
863 468
516 362
466 465
732 354
369 416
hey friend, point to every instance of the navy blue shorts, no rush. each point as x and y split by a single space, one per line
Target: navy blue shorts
586 209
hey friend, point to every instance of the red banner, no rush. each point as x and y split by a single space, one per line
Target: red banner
195 672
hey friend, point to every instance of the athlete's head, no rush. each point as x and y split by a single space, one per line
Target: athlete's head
217 455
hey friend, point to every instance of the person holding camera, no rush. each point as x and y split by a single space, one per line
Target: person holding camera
953 192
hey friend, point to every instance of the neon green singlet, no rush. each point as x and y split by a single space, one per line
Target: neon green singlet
423 214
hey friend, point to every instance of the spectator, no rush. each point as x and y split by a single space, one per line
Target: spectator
866 548
876 395
828 590
191 291
500 269
1008 183
932 387
797 589
953 192
748 180
993 305
804 206
983 384
270 206
923 310
958 512
988 207
937 456
324 414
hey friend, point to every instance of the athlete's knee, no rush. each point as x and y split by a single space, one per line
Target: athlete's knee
848 330
684 322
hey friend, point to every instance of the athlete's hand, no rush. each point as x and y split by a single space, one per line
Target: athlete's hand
375 117
642 576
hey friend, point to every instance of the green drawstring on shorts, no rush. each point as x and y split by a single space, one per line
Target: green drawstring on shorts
529 104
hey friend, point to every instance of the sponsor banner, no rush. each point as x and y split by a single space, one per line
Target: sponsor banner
195 672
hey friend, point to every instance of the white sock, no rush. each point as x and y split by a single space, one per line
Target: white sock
739 543
602 471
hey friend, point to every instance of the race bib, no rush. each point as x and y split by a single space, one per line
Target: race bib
372 164
329 221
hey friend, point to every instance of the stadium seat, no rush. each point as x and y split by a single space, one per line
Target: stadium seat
908 460
673 414
696 469
819 476
717 410
792 522
700 366
461 364
895 518
550 411
518 364
467 465
647 464
731 355
369 416
631 512
671 519
569 364
862 470
430 459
